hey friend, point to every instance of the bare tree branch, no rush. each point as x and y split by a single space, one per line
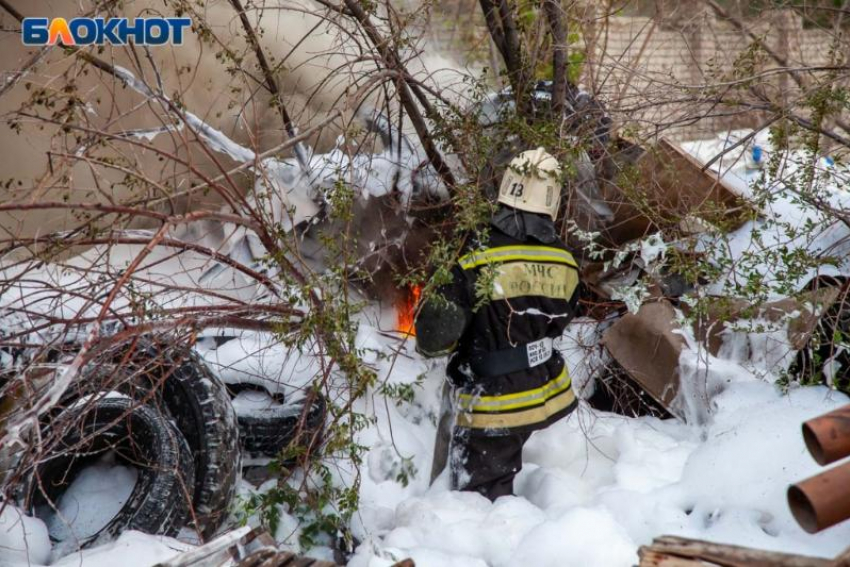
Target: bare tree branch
555 18
271 85
393 62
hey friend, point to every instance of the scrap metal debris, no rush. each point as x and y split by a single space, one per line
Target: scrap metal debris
647 345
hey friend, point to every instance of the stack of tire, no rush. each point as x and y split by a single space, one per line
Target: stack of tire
277 427
171 419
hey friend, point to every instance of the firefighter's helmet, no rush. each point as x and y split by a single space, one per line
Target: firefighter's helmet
532 183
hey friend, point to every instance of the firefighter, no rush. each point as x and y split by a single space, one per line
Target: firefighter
505 378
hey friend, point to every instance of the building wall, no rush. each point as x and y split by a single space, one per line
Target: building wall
653 73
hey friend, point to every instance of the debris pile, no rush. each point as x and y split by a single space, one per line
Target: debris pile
186 417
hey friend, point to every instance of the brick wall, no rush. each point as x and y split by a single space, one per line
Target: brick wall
650 71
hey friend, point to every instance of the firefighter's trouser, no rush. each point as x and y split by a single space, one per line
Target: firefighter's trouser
478 462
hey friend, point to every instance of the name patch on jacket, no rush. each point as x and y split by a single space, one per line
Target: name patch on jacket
515 279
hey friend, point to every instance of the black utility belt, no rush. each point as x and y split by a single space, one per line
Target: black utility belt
505 361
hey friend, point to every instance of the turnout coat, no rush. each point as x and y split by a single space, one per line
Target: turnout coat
508 298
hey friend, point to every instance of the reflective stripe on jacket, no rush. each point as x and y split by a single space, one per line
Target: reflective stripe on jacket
521 409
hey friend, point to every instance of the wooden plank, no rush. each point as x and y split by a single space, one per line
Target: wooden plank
258 558
843 560
649 558
731 555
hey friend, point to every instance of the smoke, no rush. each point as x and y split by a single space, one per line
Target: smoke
322 68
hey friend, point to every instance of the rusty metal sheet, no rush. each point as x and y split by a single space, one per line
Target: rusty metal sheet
671 184
647 345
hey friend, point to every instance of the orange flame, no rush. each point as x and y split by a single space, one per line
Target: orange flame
406 309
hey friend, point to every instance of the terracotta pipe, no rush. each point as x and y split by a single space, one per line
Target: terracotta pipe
822 500
828 437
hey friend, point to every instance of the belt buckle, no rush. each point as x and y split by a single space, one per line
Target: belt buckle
538 352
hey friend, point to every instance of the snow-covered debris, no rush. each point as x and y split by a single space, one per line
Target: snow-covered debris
294 189
796 197
605 484
260 359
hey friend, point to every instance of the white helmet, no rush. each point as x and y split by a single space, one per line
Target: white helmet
532 183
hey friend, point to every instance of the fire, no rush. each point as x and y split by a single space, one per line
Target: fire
407 309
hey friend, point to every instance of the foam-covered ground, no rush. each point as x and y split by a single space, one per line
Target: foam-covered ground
593 488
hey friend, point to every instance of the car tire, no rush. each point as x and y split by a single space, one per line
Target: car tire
139 435
270 430
199 403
